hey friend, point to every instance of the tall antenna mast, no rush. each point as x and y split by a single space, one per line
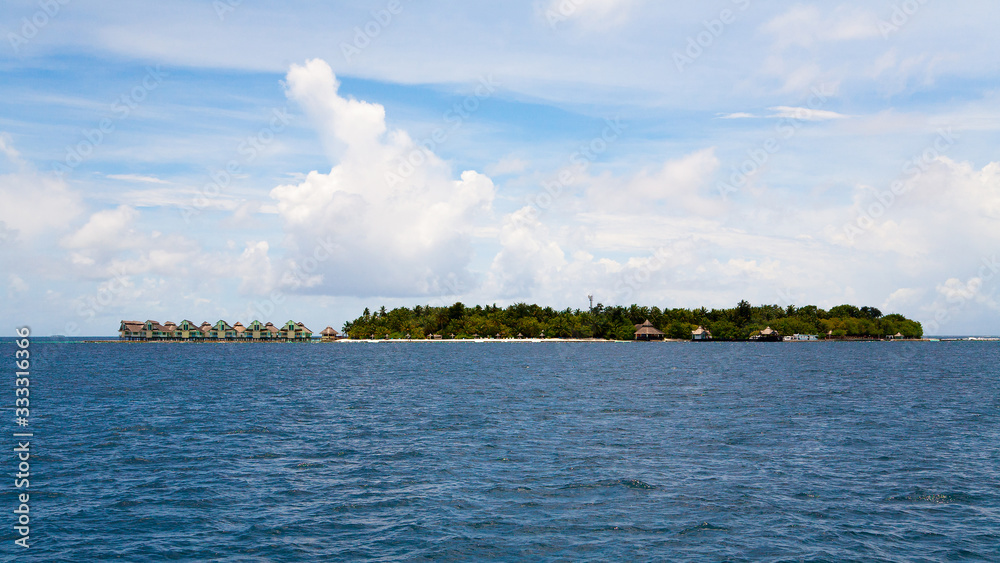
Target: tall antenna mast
591 297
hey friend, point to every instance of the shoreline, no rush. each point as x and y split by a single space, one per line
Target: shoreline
531 341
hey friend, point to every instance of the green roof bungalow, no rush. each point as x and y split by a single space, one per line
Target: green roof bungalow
189 331
152 330
222 330
288 331
303 333
256 330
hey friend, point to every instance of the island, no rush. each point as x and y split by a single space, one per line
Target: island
744 322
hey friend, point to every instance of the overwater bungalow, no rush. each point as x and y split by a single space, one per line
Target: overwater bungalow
329 334
187 330
169 330
221 331
131 330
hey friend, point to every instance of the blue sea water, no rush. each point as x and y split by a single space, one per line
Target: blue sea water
511 452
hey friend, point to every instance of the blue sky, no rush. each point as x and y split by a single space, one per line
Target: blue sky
224 159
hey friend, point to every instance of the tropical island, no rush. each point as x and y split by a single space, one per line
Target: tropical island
521 320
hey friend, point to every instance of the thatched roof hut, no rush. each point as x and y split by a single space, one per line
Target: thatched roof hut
131 330
701 333
767 335
329 334
132 326
646 331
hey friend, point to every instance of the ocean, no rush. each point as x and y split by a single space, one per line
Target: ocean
882 451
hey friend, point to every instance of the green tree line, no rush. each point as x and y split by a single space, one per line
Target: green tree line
618 322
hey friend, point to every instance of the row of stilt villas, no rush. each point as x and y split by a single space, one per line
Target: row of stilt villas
220 331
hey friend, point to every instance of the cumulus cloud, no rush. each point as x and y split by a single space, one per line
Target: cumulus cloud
941 205
388 219
110 228
529 258
113 245
681 185
34 204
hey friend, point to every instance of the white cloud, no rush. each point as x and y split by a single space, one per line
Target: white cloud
530 257
33 204
905 298
388 219
106 229
137 178
949 206
8 150
789 112
805 114
681 184
954 294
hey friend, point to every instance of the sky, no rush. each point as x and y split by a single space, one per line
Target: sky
224 159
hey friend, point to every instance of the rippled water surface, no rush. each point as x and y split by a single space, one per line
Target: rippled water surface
514 451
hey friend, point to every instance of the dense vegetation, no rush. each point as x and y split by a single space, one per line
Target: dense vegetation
619 323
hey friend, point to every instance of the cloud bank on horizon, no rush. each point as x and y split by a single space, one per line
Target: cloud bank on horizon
242 161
